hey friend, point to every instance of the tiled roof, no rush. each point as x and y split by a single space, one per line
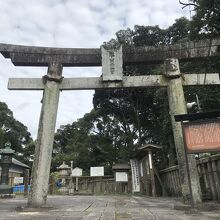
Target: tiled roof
19 163
121 167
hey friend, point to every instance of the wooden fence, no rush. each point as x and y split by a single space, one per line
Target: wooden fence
171 180
209 174
95 185
104 184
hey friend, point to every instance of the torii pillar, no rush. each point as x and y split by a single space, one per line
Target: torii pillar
44 146
177 105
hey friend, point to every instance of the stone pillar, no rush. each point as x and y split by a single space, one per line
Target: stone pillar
177 106
45 138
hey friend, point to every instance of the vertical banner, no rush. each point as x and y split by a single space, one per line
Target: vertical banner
135 175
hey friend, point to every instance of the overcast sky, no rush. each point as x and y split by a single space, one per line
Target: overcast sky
68 23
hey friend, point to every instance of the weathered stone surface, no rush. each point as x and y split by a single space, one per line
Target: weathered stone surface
177 106
127 81
44 145
25 55
112 64
171 68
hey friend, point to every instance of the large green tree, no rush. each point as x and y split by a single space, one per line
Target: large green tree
205 21
14 132
124 119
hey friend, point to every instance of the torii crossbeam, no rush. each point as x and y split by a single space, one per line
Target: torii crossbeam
42 56
53 82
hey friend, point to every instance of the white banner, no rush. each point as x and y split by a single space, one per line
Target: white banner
135 175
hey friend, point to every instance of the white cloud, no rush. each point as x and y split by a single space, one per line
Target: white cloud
68 23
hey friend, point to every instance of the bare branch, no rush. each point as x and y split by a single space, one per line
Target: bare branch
187 4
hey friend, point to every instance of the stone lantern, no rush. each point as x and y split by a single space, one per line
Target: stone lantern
64 171
5 162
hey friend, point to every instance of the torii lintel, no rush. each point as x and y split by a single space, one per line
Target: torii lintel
43 56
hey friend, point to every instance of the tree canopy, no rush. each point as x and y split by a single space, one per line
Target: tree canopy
205 22
124 119
15 133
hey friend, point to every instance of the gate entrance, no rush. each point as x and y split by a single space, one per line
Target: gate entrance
112 58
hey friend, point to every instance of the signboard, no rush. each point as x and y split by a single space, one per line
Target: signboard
121 176
202 135
112 64
135 175
18 180
76 172
96 171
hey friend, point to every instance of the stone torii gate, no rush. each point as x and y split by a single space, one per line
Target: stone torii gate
111 60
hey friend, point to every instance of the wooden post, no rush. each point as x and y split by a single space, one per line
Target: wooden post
26 181
177 106
216 178
77 183
153 189
211 179
164 192
44 145
146 177
206 178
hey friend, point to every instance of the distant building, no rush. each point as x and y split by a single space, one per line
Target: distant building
17 169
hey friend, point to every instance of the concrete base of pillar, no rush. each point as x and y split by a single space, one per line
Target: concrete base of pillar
205 207
7 196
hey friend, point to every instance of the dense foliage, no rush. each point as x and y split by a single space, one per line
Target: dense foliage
16 134
206 19
124 119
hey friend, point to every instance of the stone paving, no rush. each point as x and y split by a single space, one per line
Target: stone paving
102 208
